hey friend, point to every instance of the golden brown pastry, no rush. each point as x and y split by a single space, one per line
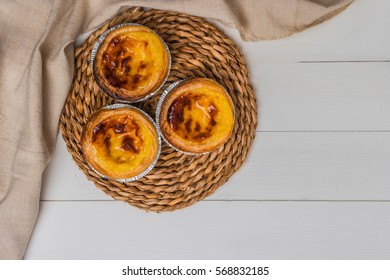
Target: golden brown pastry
120 143
196 116
131 63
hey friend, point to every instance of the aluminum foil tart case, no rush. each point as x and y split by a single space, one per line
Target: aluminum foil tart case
151 166
96 48
158 113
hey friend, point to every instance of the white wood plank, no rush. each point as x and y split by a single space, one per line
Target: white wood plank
213 230
281 166
314 166
291 165
359 33
322 96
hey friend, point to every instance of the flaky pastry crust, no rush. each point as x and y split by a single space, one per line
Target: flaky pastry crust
197 116
119 143
131 63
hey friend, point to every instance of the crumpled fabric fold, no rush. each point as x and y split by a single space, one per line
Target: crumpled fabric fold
36 71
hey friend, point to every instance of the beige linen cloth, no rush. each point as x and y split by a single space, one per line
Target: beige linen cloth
36 70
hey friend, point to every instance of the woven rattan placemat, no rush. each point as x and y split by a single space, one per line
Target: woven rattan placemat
198 49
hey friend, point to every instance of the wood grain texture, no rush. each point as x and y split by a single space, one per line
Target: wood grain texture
322 96
359 33
281 166
323 134
212 230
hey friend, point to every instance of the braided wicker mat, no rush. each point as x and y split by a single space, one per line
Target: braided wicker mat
198 49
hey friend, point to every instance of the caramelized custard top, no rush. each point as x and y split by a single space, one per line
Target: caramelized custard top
134 60
118 139
120 145
197 116
193 116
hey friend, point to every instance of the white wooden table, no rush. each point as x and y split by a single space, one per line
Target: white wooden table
317 181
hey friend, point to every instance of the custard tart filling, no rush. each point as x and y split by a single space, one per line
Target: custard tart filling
120 143
131 63
197 116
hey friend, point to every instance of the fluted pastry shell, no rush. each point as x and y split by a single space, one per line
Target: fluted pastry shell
121 142
196 116
131 62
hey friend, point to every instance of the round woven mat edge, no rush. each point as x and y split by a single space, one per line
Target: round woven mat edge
198 48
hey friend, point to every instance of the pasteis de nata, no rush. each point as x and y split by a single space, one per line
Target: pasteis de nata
196 116
120 143
131 63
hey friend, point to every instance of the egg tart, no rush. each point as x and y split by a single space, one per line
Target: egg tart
130 62
121 142
195 116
